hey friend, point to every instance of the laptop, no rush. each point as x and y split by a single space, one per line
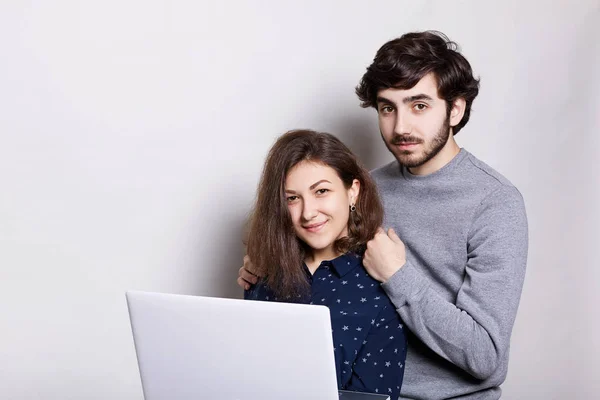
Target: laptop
193 347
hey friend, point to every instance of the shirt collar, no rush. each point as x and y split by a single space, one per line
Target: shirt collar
345 263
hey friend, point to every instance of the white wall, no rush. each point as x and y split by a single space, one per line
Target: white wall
132 134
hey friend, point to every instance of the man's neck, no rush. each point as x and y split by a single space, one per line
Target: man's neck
441 159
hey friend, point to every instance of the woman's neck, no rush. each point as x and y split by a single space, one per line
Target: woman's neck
314 259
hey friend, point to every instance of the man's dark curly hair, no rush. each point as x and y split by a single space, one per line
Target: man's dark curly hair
402 62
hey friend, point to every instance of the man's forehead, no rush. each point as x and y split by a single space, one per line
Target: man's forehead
427 85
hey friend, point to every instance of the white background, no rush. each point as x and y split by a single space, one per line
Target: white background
132 135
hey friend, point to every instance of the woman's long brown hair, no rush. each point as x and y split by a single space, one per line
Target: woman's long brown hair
273 246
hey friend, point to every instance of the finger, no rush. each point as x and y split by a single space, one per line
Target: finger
248 264
366 258
367 264
380 230
243 284
392 235
248 276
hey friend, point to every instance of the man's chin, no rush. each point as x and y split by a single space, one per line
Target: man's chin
409 161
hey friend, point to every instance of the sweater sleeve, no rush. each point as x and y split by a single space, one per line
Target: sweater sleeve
473 332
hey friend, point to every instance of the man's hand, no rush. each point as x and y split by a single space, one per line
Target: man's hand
385 255
245 277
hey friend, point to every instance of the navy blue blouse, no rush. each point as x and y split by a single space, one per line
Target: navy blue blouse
368 336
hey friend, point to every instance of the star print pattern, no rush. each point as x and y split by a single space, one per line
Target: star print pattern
368 336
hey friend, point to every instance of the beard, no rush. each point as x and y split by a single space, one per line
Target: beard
413 159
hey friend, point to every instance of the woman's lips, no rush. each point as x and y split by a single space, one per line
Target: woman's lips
314 227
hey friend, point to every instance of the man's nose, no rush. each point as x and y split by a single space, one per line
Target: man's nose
403 124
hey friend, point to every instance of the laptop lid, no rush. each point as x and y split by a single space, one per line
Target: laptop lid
192 347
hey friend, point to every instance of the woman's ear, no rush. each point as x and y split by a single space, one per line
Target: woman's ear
354 191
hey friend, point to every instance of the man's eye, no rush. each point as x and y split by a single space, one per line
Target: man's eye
420 106
387 109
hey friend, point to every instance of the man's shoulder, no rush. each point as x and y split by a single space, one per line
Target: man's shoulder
389 170
467 174
482 172
489 181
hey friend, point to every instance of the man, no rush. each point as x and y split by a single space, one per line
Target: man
455 268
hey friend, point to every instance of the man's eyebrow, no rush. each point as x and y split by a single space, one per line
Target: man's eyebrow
381 99
406 100
416 97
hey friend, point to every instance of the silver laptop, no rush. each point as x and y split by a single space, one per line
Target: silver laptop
192 347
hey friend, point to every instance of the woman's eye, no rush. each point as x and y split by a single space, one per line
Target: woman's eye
322 191
291 199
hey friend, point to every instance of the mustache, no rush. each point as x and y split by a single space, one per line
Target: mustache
399 139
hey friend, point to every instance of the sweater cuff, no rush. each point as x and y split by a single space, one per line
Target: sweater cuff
406 285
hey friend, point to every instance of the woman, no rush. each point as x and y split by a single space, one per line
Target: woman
316 209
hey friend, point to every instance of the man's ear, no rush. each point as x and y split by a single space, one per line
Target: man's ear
458 111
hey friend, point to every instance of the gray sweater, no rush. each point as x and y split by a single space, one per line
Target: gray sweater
465 231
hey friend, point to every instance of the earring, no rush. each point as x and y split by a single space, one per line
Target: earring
352 207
